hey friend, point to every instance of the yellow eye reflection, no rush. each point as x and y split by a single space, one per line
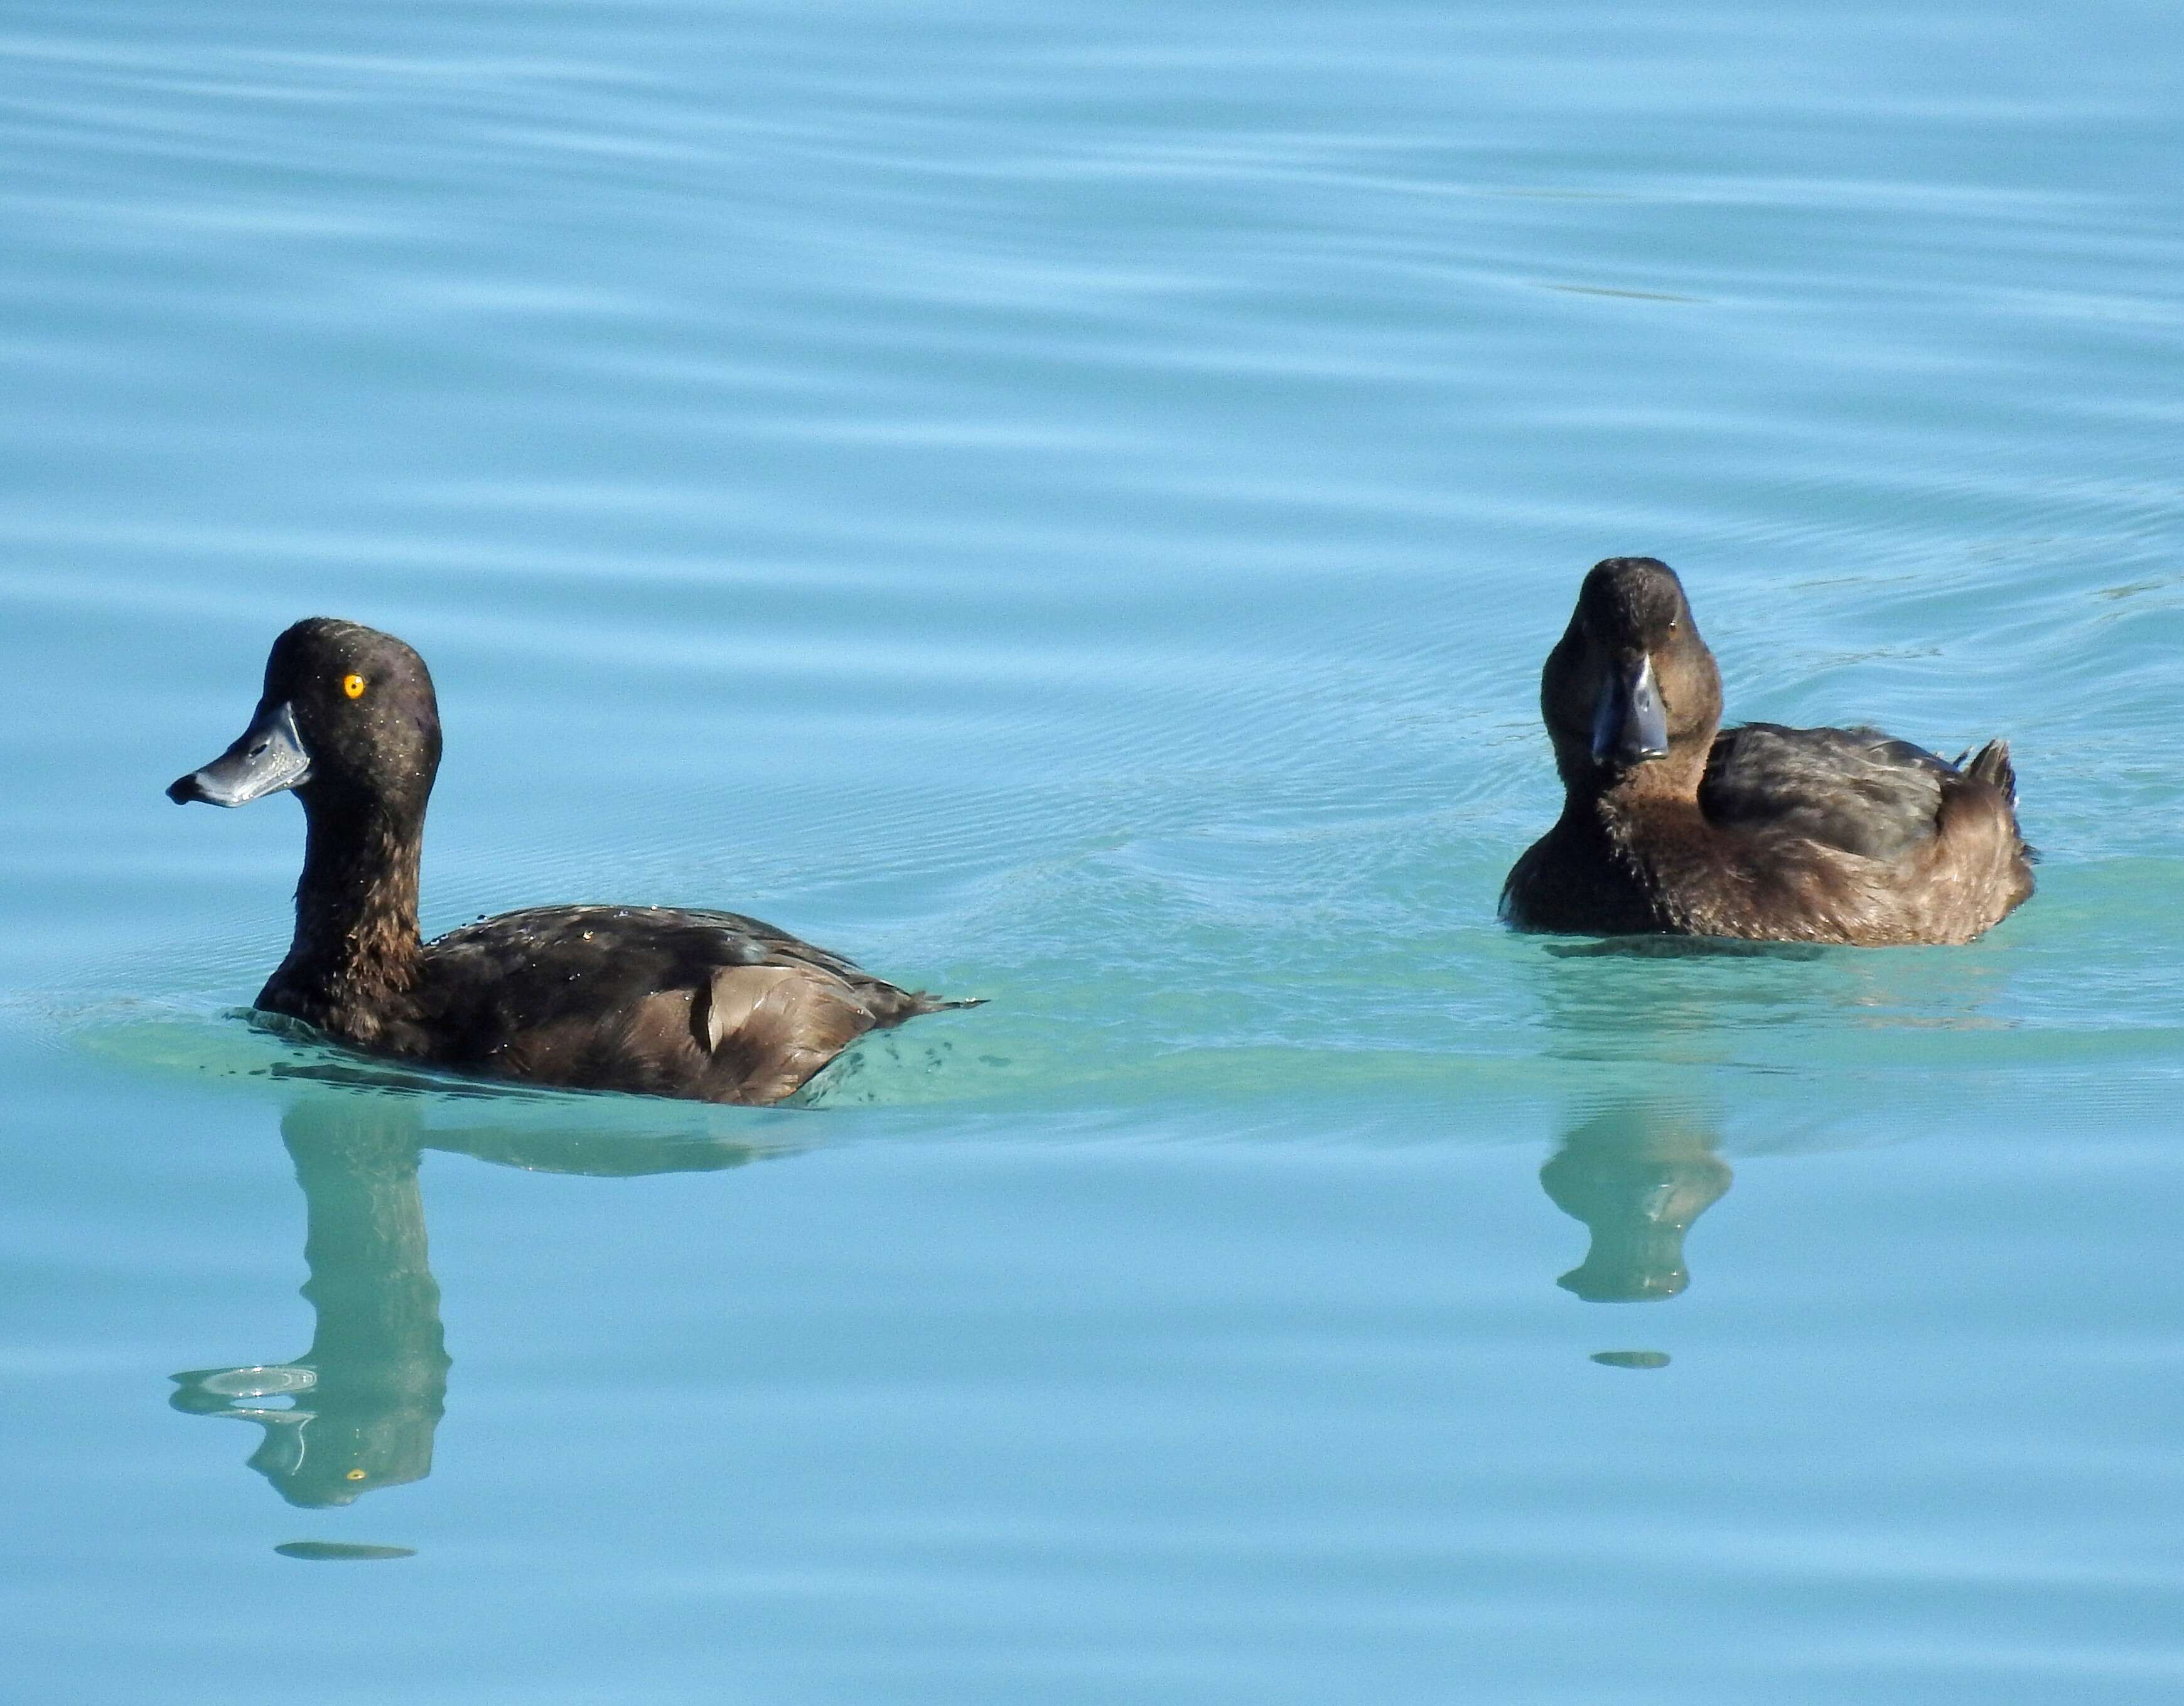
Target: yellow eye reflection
353 686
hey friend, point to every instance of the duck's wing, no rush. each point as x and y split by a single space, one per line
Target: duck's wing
660 1000
1853 789
767 944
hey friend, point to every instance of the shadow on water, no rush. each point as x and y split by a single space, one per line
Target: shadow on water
357 1411
1684 948
1660 1007
1638 1177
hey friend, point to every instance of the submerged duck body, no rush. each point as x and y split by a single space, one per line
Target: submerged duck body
710 1006
1671 825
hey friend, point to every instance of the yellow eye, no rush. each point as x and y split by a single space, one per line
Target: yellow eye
353 686
354 1474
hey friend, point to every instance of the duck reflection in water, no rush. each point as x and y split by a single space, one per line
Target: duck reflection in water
367 1396
1638 1177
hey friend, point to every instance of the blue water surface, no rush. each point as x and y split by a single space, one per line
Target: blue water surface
1067 505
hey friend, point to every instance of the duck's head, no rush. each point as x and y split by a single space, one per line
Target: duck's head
1630 683
347 719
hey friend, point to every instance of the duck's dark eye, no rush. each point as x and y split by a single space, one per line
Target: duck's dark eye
353 686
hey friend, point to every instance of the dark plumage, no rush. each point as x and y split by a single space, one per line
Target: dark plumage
664 1002
1671 825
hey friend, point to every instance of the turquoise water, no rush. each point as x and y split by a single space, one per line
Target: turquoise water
1067 505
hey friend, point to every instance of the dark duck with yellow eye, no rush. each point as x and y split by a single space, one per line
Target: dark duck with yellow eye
1671 824
710 1006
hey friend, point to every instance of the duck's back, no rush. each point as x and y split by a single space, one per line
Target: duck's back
661 1001
1850 834
1854 789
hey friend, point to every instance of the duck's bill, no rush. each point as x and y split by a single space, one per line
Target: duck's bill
1630 724
268 757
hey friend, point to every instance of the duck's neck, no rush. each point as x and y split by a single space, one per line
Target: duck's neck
355 959
1636 835
1666 787
1601 803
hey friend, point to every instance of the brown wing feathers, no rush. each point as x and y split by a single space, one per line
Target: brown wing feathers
768 1028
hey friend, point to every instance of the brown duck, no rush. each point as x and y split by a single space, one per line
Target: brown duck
1671 825
710 1006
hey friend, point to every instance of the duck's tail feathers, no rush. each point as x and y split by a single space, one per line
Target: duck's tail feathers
890 1006
1990 764
920 1001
